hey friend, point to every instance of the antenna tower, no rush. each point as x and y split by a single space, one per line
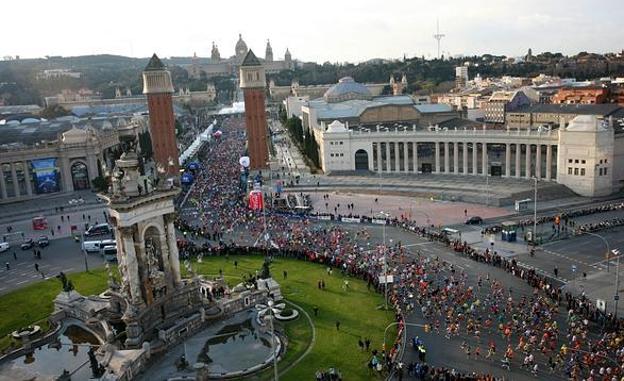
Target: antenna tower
438 36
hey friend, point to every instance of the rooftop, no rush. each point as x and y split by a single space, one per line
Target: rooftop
354 107
154 64
347 89
604 109
251 59
20 135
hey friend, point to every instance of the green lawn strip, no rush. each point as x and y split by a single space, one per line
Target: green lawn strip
355 309
34 303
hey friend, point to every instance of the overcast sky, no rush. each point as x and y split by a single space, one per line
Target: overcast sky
320 30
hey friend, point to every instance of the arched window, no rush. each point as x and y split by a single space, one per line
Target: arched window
80 176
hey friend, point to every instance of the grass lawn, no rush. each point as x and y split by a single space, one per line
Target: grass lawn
355 309
34 303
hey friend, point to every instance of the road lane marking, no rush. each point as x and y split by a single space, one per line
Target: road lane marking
22 282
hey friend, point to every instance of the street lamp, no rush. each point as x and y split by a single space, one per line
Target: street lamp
269 310
606 244
616 252
385 260
535 212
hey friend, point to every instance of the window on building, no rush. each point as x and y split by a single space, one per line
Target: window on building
605 161
569 170
576 161
600 161
582 161
340 143
599 171
331 155
582 171
576 171
570 161
604 171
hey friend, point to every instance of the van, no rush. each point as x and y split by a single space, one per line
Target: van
107 242
4 246
91 246
99 229
110 253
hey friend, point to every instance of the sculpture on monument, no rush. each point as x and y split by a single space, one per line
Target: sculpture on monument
67 284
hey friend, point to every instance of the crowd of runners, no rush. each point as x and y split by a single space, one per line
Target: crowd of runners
542 332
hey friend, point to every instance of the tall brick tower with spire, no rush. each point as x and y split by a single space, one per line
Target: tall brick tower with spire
158 87
253 84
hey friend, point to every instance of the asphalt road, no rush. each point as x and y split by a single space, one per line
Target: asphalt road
442 352
63 254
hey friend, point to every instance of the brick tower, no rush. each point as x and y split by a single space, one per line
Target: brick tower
253 83
158 87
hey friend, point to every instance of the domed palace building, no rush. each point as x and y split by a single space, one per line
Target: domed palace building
217 66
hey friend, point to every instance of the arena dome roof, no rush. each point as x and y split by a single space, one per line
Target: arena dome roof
347 89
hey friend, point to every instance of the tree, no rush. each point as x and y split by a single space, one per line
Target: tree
100 183
283 117
54 111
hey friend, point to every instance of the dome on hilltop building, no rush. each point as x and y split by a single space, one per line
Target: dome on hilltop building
241 47
347 89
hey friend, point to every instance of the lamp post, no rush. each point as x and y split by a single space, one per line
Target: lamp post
616 296
606 244
535 212
269 310
385 260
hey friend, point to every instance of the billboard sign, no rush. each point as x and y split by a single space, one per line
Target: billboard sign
255 200
46 176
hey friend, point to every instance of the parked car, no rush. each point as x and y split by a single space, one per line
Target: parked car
4 246
43 241
27 244
474 220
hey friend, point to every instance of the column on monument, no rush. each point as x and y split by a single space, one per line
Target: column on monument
66 175
174 256
415 152
379 161
92 167
465 157
388 157
27 177
437 157
3 190
518 154
507 160
164 248
475 167
455 158
397 158
405 158
548 162
538 161
15 182
447 159
132 268
527 163
484 159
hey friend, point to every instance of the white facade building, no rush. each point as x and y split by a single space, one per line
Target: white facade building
583 156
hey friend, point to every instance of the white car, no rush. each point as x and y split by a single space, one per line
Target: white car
4 246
